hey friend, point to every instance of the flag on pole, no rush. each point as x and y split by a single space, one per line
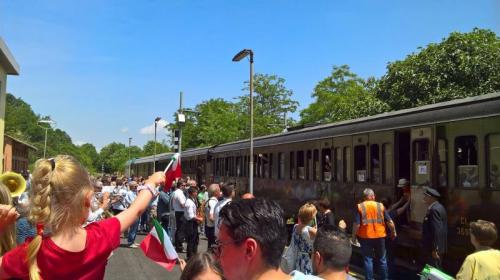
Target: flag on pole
158 247
173 171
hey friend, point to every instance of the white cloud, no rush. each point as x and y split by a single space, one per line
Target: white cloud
80 142
124 130
150 129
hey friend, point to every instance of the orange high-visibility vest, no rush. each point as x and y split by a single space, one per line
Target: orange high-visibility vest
372 220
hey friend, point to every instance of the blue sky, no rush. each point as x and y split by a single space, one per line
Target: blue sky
103 70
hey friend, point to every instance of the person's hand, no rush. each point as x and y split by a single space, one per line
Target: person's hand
435 255
182 264
393 235
342 225
8 215
158 178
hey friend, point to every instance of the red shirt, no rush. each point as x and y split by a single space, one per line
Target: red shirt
56 263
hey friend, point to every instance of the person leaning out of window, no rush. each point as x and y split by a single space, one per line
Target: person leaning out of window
484 263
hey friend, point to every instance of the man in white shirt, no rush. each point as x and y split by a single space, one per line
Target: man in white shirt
178 201
192 220
127 201
228 194
209 211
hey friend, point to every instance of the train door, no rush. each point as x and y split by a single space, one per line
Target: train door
360 163
421 167
380 163
343 191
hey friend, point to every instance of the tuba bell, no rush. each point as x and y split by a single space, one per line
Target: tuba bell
14 182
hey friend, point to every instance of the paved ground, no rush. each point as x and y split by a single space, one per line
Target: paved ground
129 263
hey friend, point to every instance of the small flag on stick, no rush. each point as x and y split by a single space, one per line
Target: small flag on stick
158 247
173 171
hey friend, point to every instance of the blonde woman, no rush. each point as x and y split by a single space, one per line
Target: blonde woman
303 237
62 196
7 232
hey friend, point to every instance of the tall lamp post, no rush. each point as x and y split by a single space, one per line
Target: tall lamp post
48 122
239 56
154 153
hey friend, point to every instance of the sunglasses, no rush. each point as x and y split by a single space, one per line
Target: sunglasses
216 249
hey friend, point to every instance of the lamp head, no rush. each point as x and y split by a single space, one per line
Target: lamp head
242 54
157 119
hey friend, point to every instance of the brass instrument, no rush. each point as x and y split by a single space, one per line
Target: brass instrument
14 182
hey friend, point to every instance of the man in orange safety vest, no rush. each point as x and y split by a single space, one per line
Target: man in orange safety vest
369 228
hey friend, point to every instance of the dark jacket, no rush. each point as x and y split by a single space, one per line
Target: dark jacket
435 229
163 207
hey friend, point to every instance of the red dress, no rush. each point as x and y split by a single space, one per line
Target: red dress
56 263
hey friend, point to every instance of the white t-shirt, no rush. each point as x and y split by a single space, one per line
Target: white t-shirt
189 209
178 200
210 209
122 192
218 207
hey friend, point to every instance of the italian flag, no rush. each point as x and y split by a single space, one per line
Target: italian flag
173 171
158 247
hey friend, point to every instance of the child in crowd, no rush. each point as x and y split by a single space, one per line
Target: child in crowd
202 266
8 232
62 194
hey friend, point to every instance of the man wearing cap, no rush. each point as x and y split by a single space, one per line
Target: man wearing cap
434 229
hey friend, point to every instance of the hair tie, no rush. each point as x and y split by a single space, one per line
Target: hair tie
39 229
52 163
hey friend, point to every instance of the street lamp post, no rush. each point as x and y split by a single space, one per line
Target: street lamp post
239 56
49 122
154 153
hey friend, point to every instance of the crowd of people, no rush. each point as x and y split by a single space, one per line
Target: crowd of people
68 225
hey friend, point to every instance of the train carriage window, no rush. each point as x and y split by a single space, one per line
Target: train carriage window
308 165
421 150
443 163
300 165
347 165
238 166
258 166
281 166
226 166
265 166
466 162
387 161
375 164
292 165
338 165
326 155
270 160
255 167
360 163
316 169
493 156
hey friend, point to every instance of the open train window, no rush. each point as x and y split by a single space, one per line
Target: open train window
300 165
308 165
360 163
270 170
338 165
375 163
421 150
292 165
326 155
316 169
387 162
443 163
281 166
493 160
347 165
238 166
466 162
265 166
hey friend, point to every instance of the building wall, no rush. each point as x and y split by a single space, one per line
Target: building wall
3 86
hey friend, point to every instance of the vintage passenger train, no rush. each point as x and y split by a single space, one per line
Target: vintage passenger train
452 146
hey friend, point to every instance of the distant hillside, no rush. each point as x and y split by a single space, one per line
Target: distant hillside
21 122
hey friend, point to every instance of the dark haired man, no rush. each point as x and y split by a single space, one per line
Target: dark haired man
227 196
331 254
434 229
251 240
192 220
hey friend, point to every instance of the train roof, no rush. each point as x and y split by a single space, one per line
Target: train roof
459 109
162 156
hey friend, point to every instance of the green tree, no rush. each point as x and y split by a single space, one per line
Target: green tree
113 157
271 100
148 148
464 64
342 96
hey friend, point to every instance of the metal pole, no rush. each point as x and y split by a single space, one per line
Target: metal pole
180 124
45 146
129 163
251 124
154 153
